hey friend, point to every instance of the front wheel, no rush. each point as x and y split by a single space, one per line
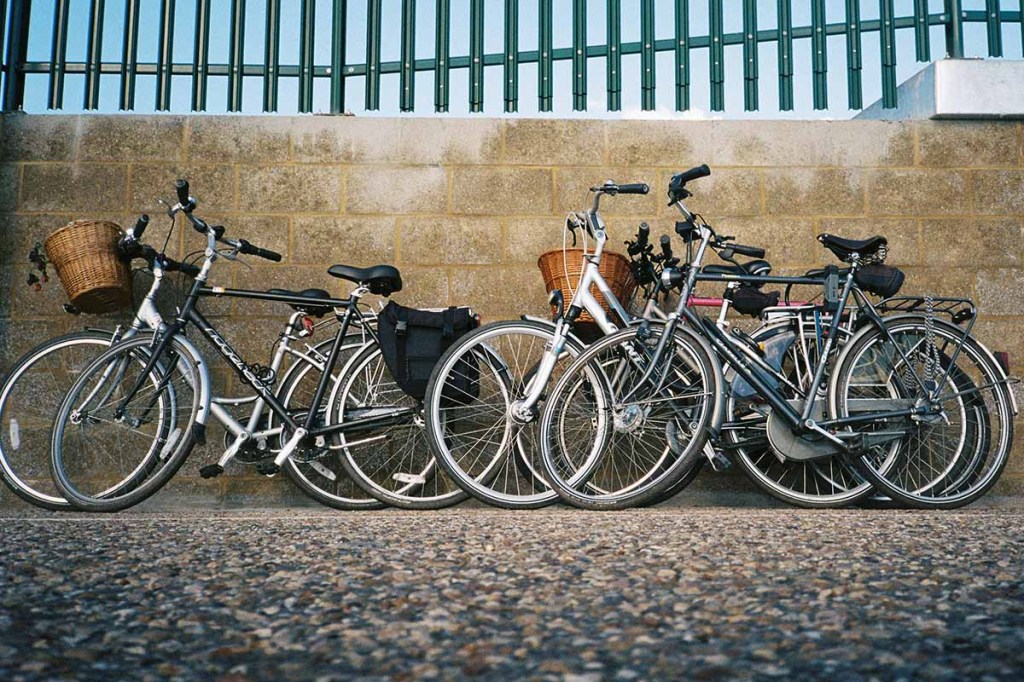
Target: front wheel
123 431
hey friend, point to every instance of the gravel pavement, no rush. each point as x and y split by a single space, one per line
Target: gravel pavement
561 595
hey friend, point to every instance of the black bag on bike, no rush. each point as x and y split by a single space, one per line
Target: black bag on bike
882 280
749 300
412 341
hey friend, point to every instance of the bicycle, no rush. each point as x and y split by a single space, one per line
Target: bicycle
155 387
884 424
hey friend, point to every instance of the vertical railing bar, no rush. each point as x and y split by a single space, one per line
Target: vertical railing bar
272 55
887 43
373 36
819 54
407 96
750 55
922 39
579 55
17 50
307 11
647 56
544 65
58 52
510 71
682 45
614 61
1021 11
476 55
717 63
854 59
995 29
94 55
165 56
129 54
3 28
442 49
201 55
339 35
236 55
785 54
954 30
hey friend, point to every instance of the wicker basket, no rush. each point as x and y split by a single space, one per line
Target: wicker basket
614 268
84 253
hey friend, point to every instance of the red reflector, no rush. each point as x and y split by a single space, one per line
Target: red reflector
307 324
1003 358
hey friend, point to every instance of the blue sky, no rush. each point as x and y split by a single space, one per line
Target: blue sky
42 20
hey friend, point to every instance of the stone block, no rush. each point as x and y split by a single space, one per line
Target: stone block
17 337
814 191
727 192
786 241
999 192
999 291
444 241
573 185
850 144
132 138
9 173
349 241
290 189
418 141
500 191
676 145
941 282
25 137
901 233
396 190
427 287
244 139
554 142
973 243
212 186
527 238
959 144
918 192
486 289
80 188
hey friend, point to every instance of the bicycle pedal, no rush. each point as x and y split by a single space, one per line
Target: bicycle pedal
211 471
267 468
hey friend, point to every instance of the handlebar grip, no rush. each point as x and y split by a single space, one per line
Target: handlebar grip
666 247
701 171
247 248
634 188
185 268
181 185
140 226
752 251
642 233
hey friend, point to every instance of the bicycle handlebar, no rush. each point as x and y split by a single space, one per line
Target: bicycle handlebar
752 251
247 248
666 248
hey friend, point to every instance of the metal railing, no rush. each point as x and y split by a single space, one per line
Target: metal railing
307 70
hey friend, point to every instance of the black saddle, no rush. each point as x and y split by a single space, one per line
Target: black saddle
758 267
382 280
845 249
308 308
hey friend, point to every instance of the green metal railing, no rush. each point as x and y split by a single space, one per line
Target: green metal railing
15 38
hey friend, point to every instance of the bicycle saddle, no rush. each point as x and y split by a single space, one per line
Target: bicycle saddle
382 280
309 309
757 267
844 249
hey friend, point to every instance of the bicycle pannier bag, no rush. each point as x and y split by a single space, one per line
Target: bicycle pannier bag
882 280
749 300
412 341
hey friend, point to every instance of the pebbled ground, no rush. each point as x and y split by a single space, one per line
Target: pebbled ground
556 594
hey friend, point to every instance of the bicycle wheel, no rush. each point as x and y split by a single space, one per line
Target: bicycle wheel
619 429
816 484
29 398
942 460
318 472
389 459
101 440
489 453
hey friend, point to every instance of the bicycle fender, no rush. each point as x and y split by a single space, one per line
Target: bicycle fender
203 414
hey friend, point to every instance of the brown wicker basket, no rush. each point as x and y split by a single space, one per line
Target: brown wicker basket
614 268
84 253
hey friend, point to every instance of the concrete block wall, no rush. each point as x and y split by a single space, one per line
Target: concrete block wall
465 206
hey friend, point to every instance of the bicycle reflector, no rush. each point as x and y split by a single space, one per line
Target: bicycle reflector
308 326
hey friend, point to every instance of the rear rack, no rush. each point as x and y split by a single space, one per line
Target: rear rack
959 310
